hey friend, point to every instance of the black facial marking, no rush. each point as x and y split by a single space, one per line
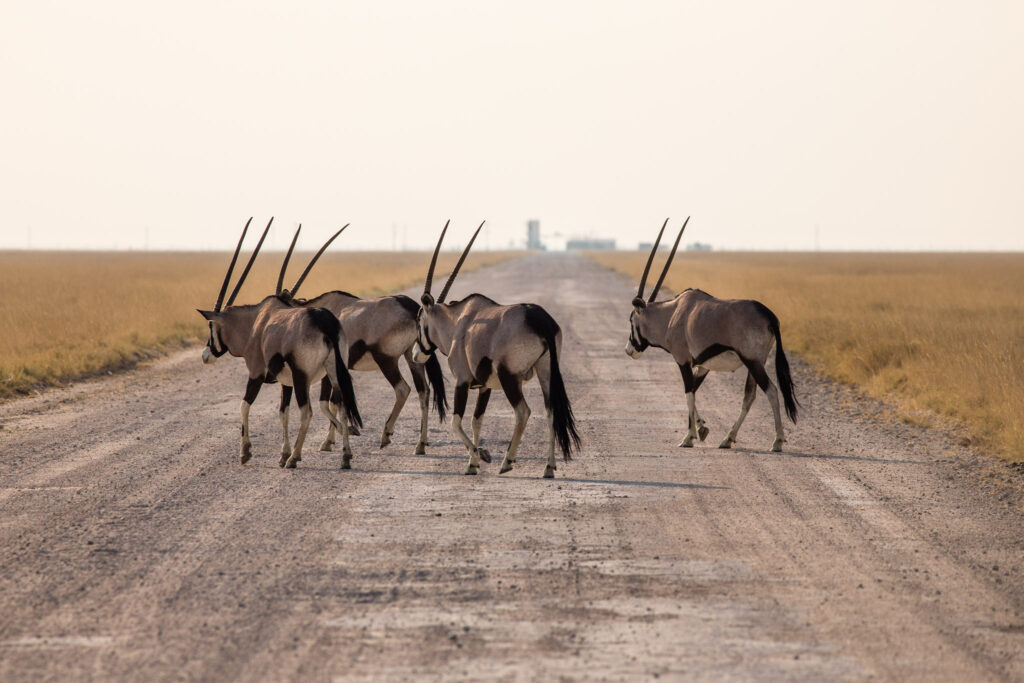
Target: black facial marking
636 339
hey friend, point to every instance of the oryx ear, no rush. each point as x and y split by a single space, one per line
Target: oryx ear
427 300
638 304
209 315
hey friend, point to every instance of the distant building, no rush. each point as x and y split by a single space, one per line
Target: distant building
590 245
698 246
647 246
533 234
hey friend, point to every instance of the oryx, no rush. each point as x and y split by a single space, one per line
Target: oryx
490 346
702 334
280 342
379 332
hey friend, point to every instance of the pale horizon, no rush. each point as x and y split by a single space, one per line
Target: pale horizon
802 126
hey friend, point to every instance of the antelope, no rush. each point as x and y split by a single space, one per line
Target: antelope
490 346
704 334
279 342
379 332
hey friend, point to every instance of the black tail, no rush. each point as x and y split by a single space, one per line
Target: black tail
437 387
327 323
782 372
564 421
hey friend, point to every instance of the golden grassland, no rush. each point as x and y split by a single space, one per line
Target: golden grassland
66 315
932 333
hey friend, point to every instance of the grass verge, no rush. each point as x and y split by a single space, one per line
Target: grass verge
930 332
68 315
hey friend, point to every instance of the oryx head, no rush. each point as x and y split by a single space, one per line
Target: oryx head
638 342
215 345
427 316
289 294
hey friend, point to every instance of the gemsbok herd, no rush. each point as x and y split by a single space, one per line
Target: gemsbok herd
295 342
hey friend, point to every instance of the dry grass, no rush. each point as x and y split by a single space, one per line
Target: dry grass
931 332
66 315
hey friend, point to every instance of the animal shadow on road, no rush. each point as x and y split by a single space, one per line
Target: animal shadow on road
829 456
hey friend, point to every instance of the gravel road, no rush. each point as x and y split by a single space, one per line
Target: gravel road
134 546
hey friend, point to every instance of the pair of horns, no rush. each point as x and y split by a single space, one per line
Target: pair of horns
433 262
668 263
288 256
231 268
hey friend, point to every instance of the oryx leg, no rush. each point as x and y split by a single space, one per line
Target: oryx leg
389 367
482 397
419 380
699 376
286 398
305 413
458 409
326 407
252 389
749 394
513 387
757 369
544 377
690 385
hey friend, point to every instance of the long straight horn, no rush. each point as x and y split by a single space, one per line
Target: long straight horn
315 258
669 262
227 278
650 259
465 253
433 260
234 292
287 258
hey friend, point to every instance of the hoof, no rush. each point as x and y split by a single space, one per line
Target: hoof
703 432
327 446
484 454
505 467
726 443
385 439
777 446
246 457
282 461
346 462
471 469
421 449
549 472
687 442
292 462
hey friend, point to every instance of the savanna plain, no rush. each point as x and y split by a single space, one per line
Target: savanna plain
884 543
935 335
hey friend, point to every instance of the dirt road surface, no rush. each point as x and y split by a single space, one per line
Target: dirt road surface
134 546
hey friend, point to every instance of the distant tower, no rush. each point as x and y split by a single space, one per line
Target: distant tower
533 234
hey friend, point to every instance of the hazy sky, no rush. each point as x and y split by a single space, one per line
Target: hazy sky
882 125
